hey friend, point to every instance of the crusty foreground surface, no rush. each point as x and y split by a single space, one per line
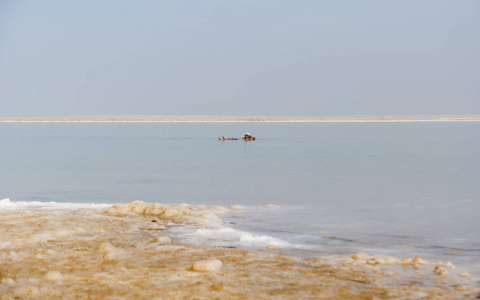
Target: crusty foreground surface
101 254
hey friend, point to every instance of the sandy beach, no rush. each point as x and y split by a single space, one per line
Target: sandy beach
122 252
191 119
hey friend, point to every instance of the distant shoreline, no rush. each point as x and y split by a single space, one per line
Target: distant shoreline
219 119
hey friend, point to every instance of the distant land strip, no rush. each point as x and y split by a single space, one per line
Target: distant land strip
193 119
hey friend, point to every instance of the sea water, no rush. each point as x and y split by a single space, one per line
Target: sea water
307 189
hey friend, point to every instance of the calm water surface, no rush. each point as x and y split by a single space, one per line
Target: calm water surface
392 188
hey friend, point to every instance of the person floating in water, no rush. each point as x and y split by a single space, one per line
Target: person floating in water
248 137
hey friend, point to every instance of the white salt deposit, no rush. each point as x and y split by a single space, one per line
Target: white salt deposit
439 270
212 265
162 240
8 281
231 237
271 247
110 252
415 262
6 204
201 225
239 207
176 214
53 276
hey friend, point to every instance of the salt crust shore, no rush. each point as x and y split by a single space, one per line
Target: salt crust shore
121 252
194 119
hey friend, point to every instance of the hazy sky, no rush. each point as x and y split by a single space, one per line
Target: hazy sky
228 57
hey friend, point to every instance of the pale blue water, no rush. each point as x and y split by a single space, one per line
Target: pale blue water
391 188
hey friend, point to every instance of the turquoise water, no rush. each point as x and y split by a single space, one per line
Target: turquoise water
394 188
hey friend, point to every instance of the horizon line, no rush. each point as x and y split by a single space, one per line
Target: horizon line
206 118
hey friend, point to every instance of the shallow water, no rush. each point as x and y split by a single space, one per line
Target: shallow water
400 189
